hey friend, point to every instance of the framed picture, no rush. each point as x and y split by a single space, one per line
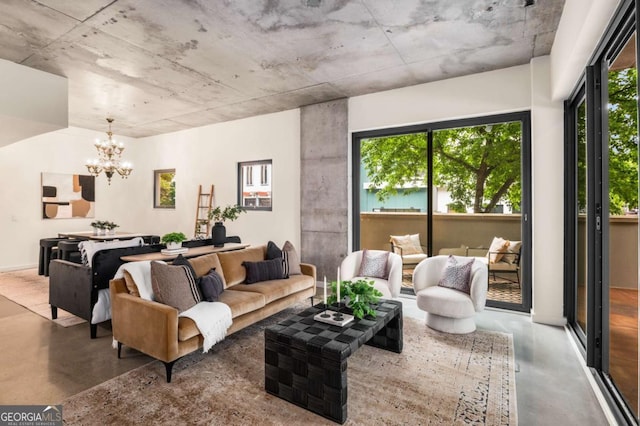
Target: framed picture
255 189
164 189
66 196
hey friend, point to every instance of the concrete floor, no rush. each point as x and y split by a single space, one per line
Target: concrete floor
43 363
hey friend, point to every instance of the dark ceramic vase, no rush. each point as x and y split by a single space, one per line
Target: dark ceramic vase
218 234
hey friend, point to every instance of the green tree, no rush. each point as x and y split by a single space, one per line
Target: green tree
167 189
623 140
479 166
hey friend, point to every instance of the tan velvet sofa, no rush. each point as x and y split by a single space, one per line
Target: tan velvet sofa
156 330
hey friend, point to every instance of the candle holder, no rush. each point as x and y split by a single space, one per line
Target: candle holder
325 313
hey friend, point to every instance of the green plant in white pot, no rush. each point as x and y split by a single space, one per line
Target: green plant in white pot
173 240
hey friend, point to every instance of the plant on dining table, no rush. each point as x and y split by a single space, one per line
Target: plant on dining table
360 295
104 224
173 237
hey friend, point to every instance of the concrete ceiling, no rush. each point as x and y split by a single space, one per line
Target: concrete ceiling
159 66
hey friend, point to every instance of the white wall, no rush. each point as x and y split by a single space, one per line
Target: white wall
210 155
21 165
581 26
519 88
547 169
206 155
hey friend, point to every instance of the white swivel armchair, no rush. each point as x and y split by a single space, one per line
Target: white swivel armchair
449 310
390 287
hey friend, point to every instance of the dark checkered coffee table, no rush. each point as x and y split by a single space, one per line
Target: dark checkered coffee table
305 361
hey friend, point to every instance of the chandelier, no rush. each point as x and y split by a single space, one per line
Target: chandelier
108 161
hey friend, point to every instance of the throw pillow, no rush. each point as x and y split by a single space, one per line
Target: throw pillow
132 288
211 286
512 250
406 244
273 251
374 264
456 275
290 260
181 260
263 271
174 286
497 248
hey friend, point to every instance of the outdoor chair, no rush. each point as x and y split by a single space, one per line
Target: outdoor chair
408 247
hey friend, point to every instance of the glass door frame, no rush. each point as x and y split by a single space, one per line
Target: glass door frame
593 86
524 117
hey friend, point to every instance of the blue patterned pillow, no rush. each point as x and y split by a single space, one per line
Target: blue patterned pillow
374 264
457 275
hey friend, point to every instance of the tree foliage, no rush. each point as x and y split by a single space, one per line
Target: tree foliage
479 166
623 140
167 189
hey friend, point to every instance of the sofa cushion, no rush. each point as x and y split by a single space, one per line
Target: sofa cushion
203 264
231 261
174 286
446 302
132 288
181 260
497 249
456 274
211 286
265 270
277 289
273 251
290 260
374 264
239 302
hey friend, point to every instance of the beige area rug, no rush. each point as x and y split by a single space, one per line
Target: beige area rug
27 288
437 379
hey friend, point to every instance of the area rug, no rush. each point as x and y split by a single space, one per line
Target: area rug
437 379
27 288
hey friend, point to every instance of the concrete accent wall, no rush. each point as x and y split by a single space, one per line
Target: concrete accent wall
324 185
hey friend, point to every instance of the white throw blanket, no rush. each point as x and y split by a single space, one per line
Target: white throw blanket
212 319
141 274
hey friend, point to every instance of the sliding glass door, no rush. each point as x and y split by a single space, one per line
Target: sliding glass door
602 194
622 231
455 186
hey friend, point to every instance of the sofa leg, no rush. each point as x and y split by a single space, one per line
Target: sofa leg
94 330
54 312
311 301
168 366
119 349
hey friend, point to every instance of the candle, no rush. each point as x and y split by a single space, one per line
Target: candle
338 286
325 290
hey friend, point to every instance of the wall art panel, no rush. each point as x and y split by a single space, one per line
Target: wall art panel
66 196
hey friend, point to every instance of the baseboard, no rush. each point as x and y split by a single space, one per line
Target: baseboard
17 268
602 400
549 320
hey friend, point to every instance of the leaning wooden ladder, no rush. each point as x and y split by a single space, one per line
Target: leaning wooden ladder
203 207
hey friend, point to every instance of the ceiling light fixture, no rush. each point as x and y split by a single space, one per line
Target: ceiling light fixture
109 152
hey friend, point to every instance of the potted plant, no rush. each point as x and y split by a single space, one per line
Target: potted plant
173 240
219 215
359 295
110 227
99 227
